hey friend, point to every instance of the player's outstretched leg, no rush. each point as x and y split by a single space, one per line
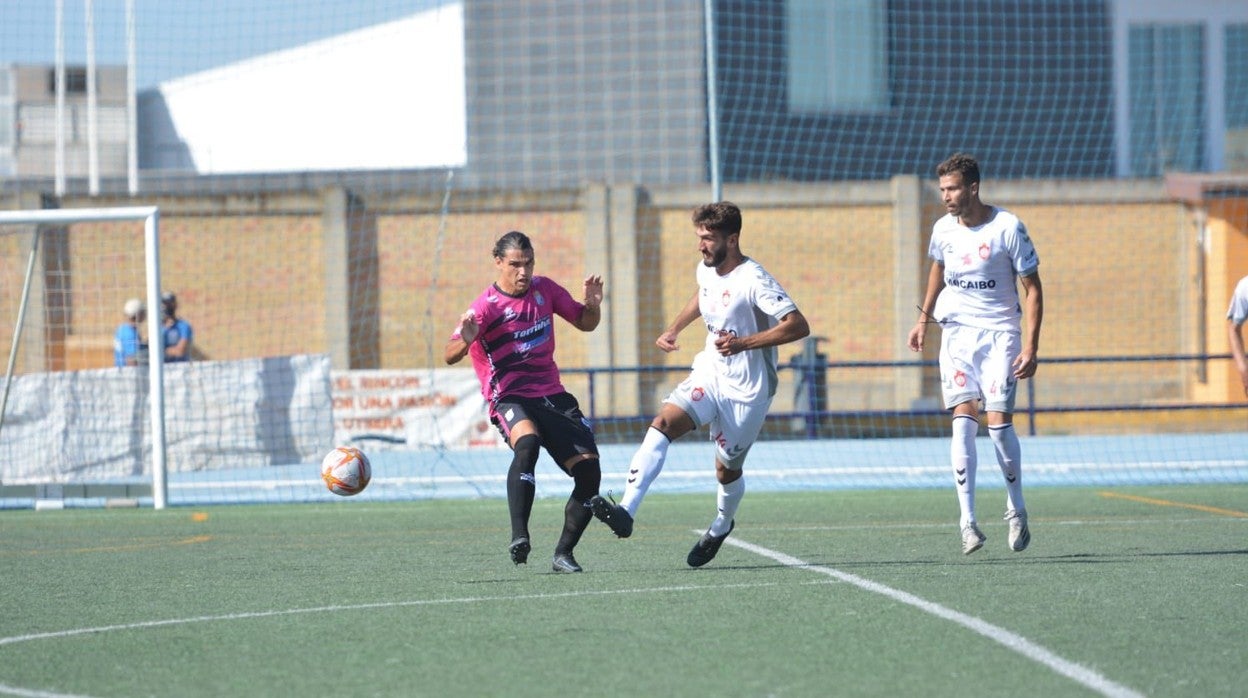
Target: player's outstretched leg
612 515
644 467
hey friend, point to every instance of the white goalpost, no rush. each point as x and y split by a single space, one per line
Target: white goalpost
150 216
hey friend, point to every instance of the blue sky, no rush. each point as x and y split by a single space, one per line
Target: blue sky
178 37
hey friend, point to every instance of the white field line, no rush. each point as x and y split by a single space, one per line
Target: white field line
1028 649
1013 641
58 634
142 625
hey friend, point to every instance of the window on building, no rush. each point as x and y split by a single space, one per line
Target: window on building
1236 89
837 55
75 80
1166 85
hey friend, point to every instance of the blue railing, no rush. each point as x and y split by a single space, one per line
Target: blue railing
812 371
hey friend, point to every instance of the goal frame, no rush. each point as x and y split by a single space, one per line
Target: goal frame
150 216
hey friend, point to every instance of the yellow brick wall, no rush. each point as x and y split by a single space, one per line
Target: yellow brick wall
417 316
836 263
1227 264
1118 279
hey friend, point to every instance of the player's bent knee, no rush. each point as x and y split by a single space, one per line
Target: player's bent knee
728 475
586 479
526 450
673 425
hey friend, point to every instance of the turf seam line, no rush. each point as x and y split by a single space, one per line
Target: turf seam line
1181 505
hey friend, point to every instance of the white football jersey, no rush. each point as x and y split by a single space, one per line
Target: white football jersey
1237 313
745 301
982 265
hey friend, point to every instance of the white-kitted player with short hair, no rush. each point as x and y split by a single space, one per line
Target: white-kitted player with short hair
980 255
733 379
1236 315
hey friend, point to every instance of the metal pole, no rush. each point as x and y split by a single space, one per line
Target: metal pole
156 362
93 136
132 116
712 103
60 99
21 318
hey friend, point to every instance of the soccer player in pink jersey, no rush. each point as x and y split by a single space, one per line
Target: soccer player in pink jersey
980 255
509 332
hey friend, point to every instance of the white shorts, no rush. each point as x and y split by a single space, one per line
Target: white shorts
735 425
978 364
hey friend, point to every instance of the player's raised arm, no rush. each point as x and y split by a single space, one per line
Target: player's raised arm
592 314
457 347
687 314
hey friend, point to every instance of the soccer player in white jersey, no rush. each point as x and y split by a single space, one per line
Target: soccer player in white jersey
1235 317
733 379
980 254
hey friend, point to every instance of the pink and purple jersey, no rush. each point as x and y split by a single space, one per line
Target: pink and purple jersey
514 355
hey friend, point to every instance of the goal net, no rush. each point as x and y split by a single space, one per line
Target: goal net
332 176
95 411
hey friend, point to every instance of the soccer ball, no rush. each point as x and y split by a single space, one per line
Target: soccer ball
346 471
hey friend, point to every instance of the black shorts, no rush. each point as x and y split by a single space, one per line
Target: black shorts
564 431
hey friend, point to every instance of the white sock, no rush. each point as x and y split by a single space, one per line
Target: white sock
963 457
728 501
646 465
1009 457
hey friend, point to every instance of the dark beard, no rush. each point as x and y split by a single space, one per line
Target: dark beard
717 259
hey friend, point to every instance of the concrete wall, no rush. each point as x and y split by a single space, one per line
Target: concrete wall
377 279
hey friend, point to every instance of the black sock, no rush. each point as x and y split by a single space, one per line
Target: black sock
520 485
586 476
576 516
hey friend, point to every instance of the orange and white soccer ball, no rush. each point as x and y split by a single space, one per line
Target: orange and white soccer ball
346 471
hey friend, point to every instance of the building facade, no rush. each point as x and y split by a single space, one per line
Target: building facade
28 118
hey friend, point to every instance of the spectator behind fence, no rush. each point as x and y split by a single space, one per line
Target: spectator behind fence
129 349
176 333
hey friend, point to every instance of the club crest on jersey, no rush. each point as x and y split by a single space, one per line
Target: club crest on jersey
984 250
959 379
537 296
727 296
697 394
